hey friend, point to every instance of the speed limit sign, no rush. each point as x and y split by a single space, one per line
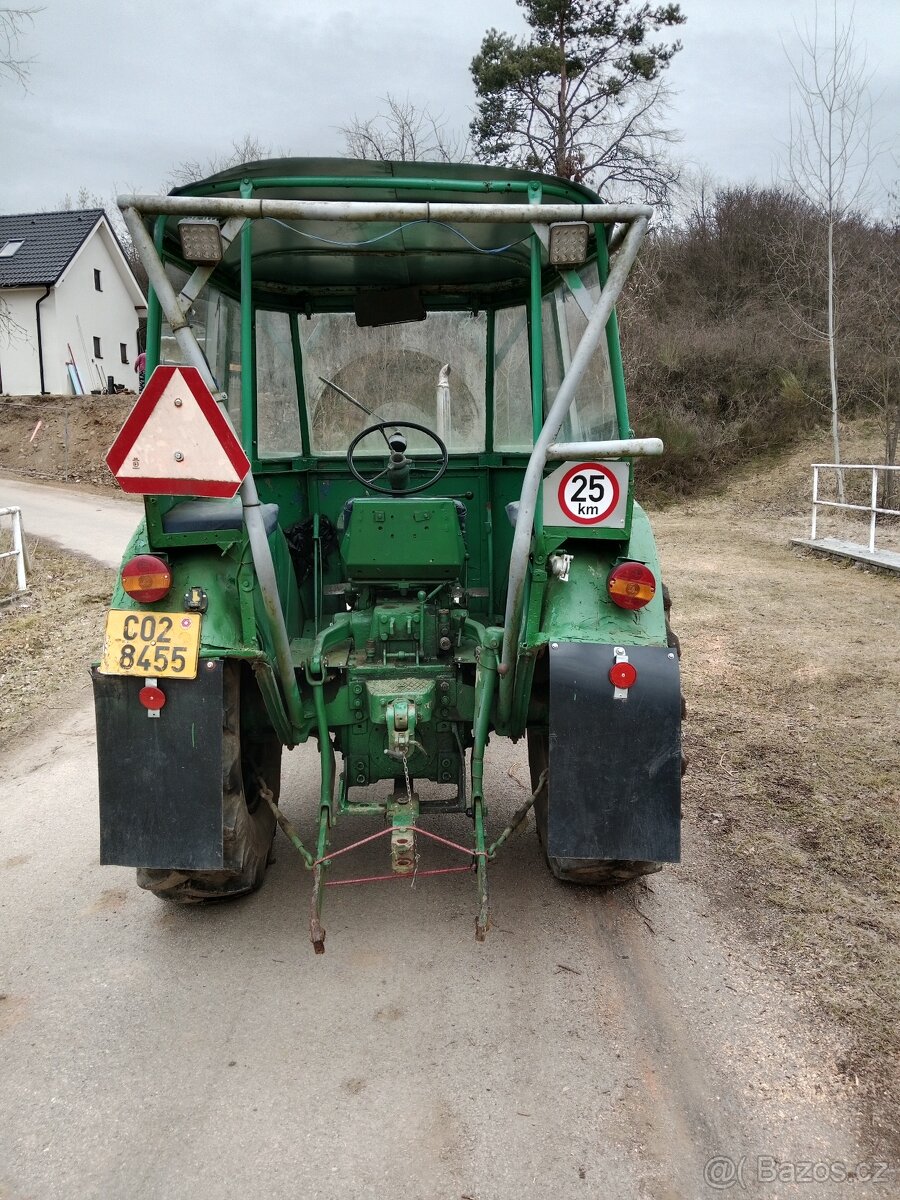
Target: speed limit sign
587 494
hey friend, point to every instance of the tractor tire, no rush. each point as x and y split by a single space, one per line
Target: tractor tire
674 643
248 823
590 872
672 639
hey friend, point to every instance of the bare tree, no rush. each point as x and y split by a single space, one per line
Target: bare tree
249 148
83 198
695 200
10 329
829 158
13 23
873 333
13 65
401 132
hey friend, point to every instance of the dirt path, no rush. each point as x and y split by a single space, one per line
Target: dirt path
98 524
595 1045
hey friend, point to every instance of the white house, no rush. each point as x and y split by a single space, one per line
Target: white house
69 304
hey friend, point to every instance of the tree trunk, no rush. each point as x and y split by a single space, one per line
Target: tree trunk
561 137
832 364
891 436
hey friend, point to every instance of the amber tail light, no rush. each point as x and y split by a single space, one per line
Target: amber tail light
631 585
146 578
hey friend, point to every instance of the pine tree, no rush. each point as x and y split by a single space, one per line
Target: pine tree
582 96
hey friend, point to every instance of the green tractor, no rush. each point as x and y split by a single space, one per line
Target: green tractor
387 470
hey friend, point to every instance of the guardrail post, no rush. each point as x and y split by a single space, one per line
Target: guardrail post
18 550
815 510
874 510
18 546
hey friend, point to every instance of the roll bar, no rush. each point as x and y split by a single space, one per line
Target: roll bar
632 220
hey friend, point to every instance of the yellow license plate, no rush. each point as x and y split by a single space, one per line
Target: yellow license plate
151 644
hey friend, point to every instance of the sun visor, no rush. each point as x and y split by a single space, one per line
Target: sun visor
389 307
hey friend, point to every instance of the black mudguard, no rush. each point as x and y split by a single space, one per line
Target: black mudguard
161 777
615 764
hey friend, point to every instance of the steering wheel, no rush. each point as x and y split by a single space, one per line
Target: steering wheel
399 467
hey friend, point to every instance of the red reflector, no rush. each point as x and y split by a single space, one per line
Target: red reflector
152 697
146 578
631 585
622 675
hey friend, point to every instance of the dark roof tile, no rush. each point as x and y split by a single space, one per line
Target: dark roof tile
49 240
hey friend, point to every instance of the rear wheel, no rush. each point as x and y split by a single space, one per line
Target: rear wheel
249 758
674 642
592 872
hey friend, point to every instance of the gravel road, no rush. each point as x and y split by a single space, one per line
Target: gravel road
83 521
596 1045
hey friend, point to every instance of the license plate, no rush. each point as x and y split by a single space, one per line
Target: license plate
155 644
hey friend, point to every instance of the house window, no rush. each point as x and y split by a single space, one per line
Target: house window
97 287
8 249
97 351
123 351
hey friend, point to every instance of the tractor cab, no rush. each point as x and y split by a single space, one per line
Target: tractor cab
434 536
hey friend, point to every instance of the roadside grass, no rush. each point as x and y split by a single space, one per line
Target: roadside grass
48 634
792 675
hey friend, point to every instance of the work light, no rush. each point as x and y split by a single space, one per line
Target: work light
201 241
569 243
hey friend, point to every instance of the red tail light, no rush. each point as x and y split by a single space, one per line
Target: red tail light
146 578
631 585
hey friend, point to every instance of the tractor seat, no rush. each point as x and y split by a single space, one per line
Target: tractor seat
208 516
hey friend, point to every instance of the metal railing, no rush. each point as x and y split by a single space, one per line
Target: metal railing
18 546
872 507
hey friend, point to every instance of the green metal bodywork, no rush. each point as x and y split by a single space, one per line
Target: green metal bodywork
403 539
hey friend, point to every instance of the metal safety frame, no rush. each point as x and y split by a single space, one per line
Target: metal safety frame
632 221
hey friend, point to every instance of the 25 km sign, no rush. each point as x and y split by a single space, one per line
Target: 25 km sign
587 494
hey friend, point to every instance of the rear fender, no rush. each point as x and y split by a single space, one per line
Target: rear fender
225 628
160 778
234 624
580 609
615 760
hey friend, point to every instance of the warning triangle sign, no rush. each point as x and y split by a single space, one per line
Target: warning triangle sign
176 441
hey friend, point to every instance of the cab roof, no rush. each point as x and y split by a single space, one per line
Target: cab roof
316 265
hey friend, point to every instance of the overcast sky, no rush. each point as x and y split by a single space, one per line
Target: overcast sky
118 92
